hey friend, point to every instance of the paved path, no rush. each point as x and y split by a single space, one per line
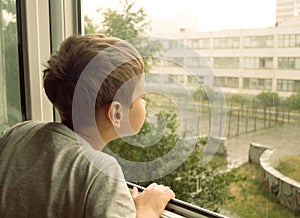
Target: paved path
284 137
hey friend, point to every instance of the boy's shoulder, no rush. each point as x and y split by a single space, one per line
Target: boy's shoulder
20 126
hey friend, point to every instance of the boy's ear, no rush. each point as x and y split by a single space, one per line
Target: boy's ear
115 113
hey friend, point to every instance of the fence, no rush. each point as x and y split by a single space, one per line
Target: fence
241 117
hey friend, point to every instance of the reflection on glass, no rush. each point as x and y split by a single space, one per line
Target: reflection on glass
10 103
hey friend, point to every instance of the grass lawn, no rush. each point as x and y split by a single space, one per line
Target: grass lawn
250 199
289 166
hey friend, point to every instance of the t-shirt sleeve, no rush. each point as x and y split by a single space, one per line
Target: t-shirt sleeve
109 197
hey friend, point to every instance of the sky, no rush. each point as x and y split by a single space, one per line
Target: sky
209 15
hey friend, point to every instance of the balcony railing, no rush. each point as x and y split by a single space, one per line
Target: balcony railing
177 208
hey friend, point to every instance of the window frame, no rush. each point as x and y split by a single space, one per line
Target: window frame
43 26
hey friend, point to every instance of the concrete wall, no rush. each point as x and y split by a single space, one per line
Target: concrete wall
286 190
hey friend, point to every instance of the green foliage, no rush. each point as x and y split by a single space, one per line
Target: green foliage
239 99
203 94
90 26
250 199
129 24
200 94
139 153
204 186
9 50
125 23
270 99
294 101
288 166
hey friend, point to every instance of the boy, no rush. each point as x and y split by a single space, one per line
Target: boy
58 169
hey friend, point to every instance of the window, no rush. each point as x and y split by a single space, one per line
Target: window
226 62
204 43
194 43
265 62
228 82
257 83
10 97
192 62
257 62
290 63
289 40
229 42
258 41
233 82
245 62
250 62
286 85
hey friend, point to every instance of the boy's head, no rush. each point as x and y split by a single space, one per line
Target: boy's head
66 66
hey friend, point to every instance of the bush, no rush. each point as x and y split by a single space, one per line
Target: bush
205 186
294 101
270 99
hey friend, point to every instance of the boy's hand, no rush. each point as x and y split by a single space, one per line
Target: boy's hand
152 201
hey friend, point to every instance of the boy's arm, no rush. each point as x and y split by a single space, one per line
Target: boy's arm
109 197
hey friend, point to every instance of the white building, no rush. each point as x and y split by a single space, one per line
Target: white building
246 61
286 9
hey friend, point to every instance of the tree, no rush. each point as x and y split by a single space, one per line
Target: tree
125 23
128 24
90 26
270 99
10 60
294 101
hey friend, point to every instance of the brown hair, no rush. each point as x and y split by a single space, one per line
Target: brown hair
67 64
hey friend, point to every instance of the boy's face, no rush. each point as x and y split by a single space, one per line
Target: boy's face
134 114
137 111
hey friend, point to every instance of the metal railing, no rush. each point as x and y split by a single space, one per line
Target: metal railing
177 208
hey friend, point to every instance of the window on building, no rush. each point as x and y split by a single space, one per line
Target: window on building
289 40
265 62
227 82
193 43
290 63
258 41
192 62
297 40
228 42
196 62
286 85
257 62
250 62
226 62
204 43
220 80
233 82
257 83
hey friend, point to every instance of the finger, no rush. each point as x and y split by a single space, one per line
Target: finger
134 192
152 185
171 194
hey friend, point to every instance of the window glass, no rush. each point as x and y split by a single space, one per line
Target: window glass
257 69
10 102
290 40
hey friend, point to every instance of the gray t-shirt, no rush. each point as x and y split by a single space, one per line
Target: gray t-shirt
45 173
